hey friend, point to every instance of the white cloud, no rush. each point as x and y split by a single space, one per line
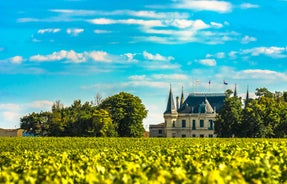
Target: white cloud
10 106
137 77
140 13
100 31
99 56
158 15
71 56
247 39
208 62
156 57
49 30
170 76
204 5
264 74
130 57
248 6
216 25
41 104
274 52
74 31
16 59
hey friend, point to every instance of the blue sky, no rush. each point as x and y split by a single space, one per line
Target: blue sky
72 49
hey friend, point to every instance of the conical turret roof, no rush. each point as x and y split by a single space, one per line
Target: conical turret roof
170 108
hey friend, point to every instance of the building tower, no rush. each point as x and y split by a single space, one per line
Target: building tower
170 114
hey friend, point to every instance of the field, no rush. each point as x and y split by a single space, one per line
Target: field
130 160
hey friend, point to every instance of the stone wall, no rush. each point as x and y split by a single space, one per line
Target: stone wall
11 132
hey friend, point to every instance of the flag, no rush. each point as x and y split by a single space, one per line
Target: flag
225 83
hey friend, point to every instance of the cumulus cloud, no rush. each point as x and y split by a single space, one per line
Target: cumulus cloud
16 59
204 5
156 57
208 62
99 56
274 52
61 55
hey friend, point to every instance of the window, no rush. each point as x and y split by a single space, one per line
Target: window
173 134
159 131
201 135
173 124
183 123
201 123
193 135
193 125
183 135
210 125
210 135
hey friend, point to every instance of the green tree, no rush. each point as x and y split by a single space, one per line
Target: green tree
285 96
127 112
228 120
262 118
263 92
36 123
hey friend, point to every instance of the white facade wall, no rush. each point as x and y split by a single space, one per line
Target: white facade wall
175 126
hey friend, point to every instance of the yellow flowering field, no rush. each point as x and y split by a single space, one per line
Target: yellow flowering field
142 160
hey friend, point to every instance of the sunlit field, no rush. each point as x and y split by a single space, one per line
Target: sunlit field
146 160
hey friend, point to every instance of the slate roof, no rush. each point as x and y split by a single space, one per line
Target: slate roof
170 104
197 101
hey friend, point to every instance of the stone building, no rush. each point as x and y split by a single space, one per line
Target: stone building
190 117
11 132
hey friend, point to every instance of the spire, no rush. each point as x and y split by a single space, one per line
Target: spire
208 107
182 98
170 108
247 96
235 91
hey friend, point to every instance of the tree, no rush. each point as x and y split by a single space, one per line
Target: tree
285 96
228 120
263 92
36 123
127 112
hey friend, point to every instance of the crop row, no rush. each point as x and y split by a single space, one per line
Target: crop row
130 160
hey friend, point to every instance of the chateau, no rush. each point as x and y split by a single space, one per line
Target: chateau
190 117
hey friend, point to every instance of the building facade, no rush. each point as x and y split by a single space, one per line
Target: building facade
190 117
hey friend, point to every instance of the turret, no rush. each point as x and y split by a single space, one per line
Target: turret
247 97
170 108
181 99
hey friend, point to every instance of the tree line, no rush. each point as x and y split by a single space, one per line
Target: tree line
264 117
118 115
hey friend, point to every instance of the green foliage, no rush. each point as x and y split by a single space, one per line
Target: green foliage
228 122
263 92
131 160
127 112
261 117
121 114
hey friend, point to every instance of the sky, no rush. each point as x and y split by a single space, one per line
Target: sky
74 49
